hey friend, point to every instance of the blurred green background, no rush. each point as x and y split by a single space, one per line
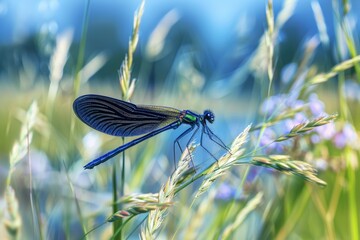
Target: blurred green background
234 57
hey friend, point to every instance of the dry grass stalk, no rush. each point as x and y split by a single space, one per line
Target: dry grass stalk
127 85
284 164
166 195
225 162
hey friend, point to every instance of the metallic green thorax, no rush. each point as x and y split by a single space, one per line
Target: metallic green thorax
189 118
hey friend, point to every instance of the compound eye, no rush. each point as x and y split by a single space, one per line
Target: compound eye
209 116
212 118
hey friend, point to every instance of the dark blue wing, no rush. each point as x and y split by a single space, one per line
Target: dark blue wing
119 118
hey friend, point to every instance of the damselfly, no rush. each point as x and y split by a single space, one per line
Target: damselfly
119 118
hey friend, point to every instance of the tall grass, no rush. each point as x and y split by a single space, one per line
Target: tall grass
294 166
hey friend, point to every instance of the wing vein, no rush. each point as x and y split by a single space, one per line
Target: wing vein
119 118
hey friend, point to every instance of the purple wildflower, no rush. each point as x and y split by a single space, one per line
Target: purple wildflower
254 173
279 103
271 104
346 137
225 192
290 123
268 137
267 140
316 106
324 132
296 103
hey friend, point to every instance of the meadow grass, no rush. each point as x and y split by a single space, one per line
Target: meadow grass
262 188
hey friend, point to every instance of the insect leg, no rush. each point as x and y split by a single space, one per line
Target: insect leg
201 143
190 139
178 139
215 138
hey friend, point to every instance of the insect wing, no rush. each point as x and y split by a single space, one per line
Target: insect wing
119 118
